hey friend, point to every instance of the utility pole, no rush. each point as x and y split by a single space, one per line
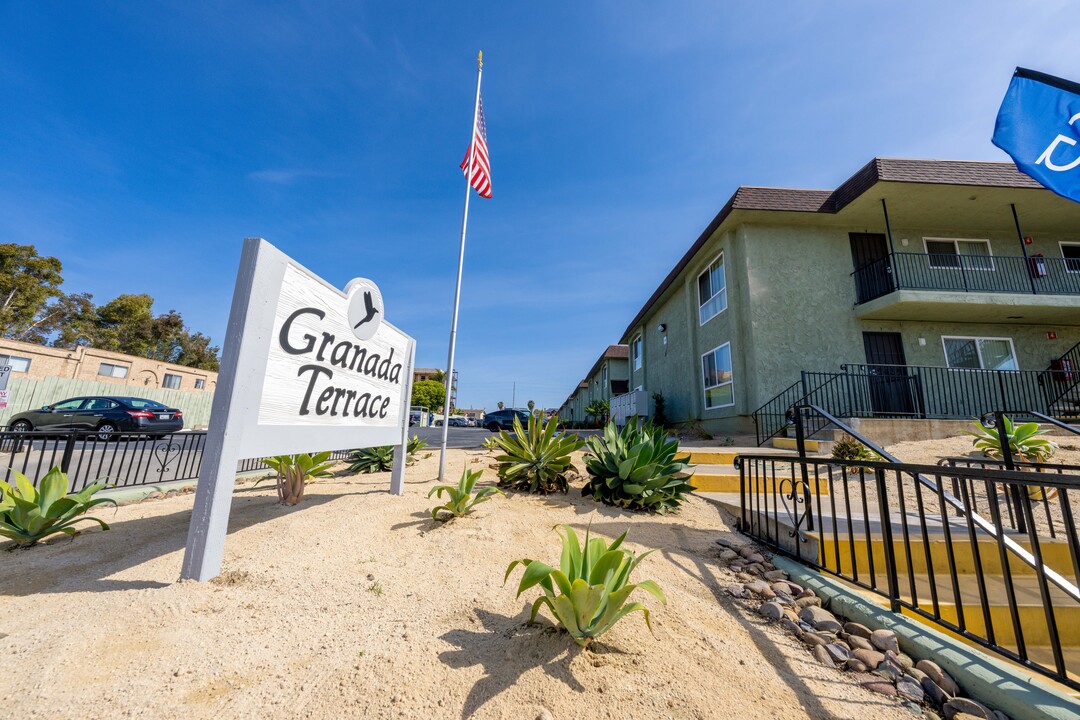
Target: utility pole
513 398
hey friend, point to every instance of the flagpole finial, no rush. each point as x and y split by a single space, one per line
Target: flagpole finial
480 60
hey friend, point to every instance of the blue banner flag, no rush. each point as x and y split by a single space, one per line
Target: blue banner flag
1039 126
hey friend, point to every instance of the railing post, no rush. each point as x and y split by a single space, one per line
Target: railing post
800 444
1007 456
887 540
69 447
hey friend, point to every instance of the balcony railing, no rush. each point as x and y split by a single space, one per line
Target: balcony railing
1036 275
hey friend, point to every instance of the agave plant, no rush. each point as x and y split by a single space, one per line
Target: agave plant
1024 441
536 459
27 515
848 448
460 500
588 593
295 471
414 446
372 459
636 468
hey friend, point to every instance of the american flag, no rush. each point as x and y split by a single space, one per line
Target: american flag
481 169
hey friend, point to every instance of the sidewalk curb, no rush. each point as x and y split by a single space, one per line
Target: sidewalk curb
987 679
136 493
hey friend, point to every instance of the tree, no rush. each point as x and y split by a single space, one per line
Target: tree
439 376
28 282
598 409
531 405
429 394
500 403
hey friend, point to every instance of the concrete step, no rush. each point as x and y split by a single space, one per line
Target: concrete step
1029 604
812 446
726 456
846 556
721 479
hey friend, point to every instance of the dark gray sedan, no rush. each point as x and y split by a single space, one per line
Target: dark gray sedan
105 416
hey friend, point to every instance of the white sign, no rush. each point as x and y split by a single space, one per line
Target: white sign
306 367
5 373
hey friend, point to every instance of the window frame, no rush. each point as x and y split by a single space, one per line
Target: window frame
978 351
701 303
705 389
1062 244
956 248
112 374
636 347
200 383
165 379
10 361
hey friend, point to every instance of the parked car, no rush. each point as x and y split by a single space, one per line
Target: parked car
504 419
455 421
105 416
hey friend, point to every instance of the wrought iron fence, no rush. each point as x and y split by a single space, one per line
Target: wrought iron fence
125 460
890 528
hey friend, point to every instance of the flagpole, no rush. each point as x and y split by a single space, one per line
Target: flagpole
460 264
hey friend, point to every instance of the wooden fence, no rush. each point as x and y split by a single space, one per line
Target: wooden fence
26 394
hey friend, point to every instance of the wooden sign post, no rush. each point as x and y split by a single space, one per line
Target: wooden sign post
306 367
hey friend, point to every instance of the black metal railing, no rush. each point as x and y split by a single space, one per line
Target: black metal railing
953 558
1037 274
125 460
919 392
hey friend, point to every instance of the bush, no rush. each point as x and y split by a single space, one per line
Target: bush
636 468
850 449
294 472
536 459
27 516
1024 441
460 500
381 457
591 584
659 414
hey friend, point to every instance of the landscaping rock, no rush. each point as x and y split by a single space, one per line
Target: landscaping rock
817 639
774 575
854 628
758 587
822 656
808 592
728 555
884 640
737 591
820 618
908 688
743 577
755 558
810 601
859 643
914 673
795 589
878 685
772 610
855 665
792 627
959 706
838 652
939 676
871 658
934 692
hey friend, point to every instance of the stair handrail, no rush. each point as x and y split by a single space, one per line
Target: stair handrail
985 525
1054 421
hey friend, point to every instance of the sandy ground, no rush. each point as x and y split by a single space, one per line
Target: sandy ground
356 604
928 452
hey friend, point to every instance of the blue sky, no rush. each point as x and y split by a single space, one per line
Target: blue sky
140 142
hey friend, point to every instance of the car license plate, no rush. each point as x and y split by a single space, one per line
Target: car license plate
164 416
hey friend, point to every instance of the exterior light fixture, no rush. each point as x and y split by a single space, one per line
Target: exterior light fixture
662 327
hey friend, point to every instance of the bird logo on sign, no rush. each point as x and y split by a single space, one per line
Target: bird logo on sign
365 308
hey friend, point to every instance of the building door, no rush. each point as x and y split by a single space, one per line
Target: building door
893 389
870 261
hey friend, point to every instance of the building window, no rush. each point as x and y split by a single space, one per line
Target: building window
1071 252
200 383
635 349
113 371
16 363
716 377
959 254
605 376
980 353
171 381
712 291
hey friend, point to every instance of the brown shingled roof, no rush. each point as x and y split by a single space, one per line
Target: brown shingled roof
929 172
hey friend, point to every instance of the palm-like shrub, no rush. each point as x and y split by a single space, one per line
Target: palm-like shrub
295 471
636 468
598 410
588 593
536 458
414 446
1024 441
372 459
850 449
27 515
460 500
